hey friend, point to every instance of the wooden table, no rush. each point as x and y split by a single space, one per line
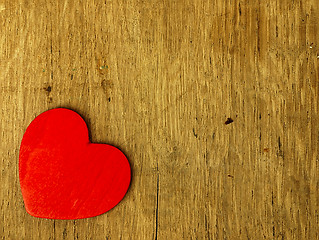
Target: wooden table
215 104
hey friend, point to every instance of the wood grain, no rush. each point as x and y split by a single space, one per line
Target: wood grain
159 79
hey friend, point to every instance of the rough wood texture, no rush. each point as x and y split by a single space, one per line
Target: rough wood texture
158 79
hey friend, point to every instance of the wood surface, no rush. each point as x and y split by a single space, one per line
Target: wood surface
159 79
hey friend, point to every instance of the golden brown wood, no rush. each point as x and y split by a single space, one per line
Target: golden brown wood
159 79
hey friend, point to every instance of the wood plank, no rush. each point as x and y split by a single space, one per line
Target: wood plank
159 79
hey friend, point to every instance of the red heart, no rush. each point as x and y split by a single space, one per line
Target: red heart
63 175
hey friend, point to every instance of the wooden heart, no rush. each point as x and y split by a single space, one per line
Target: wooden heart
63 175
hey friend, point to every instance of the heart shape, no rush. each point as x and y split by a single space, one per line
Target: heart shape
63 175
